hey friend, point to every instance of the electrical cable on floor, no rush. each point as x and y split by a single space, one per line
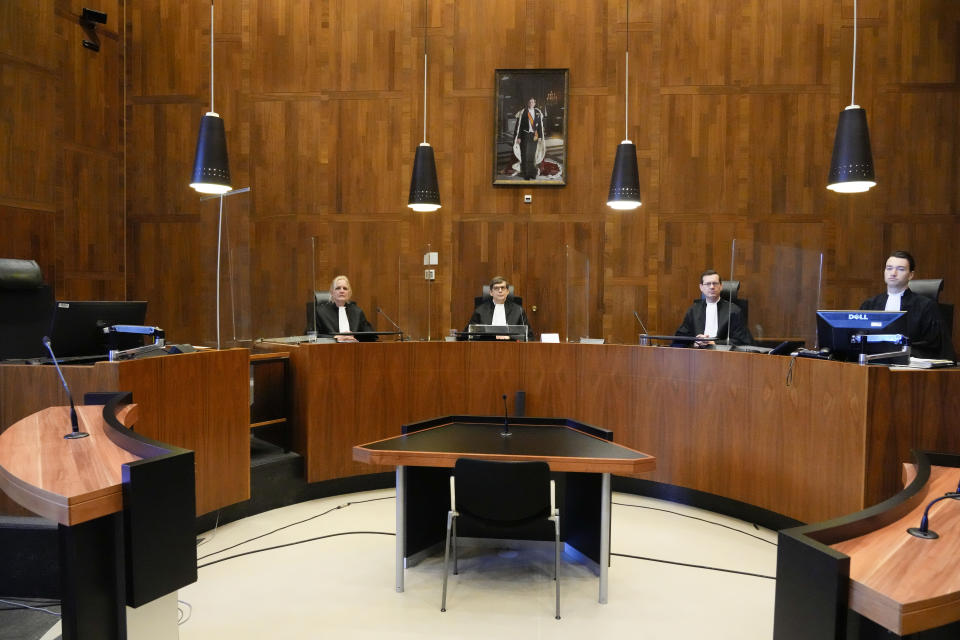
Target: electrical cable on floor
287 526
684 515
291 544
204 540
20 605
183 617
694 566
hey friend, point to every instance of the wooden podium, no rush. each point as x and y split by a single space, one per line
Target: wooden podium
125 509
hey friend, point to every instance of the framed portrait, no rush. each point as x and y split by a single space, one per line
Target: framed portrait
530 127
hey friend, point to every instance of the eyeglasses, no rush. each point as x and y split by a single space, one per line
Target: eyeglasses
499 287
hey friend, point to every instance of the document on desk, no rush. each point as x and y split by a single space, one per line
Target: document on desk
924 363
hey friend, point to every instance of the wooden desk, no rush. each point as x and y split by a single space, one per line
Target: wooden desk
125 509
560 444
904 583
198 401
828 443
868 562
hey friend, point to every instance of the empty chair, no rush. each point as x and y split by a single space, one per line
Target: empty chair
504 500
27 305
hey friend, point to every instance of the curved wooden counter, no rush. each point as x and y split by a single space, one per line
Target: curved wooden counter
67 481
828 442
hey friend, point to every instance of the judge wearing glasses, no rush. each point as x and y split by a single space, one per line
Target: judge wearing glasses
710 317
497 310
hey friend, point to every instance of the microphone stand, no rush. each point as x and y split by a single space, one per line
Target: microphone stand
923 531
74 423
395 325
506 422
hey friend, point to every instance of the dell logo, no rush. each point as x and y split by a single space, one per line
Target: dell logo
856 316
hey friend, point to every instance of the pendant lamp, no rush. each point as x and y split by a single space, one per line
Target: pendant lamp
424 189
211 169
625 181
851 167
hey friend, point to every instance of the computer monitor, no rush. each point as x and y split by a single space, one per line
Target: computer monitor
839 331
78 326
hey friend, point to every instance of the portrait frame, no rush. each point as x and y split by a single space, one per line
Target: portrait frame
513 88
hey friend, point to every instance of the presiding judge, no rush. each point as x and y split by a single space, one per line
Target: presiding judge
339 316
498 310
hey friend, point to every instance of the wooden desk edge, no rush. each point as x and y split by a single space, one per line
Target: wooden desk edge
61 509
628 466
904 619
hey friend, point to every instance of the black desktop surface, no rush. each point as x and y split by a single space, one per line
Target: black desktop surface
486 439
78 326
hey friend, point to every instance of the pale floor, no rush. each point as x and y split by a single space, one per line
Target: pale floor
343 586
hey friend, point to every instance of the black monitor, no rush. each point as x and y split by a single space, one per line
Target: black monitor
839 331
78 326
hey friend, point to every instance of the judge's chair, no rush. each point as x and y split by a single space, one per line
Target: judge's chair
318 297
932 288
505 500
27 304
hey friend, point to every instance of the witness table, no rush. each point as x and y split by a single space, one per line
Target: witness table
565 445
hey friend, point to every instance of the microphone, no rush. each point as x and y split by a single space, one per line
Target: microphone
637 316
506 422
75 433
395 325
924 531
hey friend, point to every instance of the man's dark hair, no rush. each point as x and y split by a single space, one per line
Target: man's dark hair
708 272
905 255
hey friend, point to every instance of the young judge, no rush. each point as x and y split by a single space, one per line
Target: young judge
924 326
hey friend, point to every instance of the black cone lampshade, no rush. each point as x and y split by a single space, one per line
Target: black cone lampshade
851 168
625 181
211 169
424 189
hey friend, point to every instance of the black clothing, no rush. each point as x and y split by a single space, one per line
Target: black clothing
515 314
328 320
695 321
924 326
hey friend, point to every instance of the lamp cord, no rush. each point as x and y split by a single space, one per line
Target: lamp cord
626 81
211 58
424 71
853 66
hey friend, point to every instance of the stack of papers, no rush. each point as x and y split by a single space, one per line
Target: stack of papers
925 363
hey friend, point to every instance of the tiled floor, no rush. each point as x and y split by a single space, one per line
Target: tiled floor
666 580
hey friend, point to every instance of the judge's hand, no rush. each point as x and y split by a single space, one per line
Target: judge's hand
503 337
700 344
346 339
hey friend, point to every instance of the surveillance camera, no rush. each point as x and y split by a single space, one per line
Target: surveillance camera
92 15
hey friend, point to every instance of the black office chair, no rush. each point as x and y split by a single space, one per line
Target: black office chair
318 297
511 500
28 309
932 288
485 295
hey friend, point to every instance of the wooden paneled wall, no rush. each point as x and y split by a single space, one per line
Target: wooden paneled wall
733 105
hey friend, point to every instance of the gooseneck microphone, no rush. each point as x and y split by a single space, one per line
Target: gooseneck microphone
637 316
506 421
924 531
395 325
75 433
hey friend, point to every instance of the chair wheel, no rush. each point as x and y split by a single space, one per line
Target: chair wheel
442 610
